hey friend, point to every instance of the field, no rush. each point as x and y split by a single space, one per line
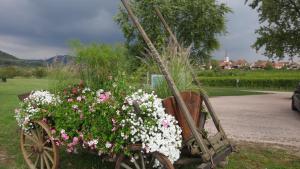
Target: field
249 156
256 79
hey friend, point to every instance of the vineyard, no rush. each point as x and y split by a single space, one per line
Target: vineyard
256 79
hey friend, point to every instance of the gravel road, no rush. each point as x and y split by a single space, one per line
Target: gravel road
259 118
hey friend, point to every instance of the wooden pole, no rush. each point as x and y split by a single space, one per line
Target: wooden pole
206 156
203 94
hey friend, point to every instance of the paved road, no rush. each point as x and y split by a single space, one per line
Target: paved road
259 118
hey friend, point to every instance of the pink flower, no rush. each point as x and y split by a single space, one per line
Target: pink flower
75 140
113 121
57 142
45 120
69 150
79 98
102 97
114 129
70 100
65 136
165 123
75 107
53 131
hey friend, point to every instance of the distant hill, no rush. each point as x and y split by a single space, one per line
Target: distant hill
10 60
60 59
6 56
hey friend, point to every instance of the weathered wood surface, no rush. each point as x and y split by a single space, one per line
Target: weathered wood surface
193 102
22 97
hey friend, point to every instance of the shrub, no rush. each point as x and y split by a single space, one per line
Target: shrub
40 72
8 72
99 62
3 79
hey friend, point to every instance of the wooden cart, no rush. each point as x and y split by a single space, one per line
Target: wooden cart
198 149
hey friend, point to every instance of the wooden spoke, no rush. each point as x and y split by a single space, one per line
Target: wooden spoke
33 132
46 161
142 160
34 156
145 162
136 164
45 142
48 148
49 156
125 166
29 155
31 138
27 145
38 133
42 162
36 161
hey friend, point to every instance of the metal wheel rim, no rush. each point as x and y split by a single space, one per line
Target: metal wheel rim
39 153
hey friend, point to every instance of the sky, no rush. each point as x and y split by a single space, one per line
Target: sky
35 29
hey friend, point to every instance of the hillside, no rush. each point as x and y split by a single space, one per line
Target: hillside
6 56
10 60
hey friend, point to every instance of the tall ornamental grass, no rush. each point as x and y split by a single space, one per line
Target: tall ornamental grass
178 64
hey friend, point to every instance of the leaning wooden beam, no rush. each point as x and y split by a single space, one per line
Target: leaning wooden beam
203 94
206 156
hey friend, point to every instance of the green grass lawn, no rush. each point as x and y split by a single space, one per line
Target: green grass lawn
248 157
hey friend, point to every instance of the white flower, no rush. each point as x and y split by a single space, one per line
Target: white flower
32 105
108 145
164 136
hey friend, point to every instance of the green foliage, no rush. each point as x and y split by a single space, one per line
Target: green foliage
92 120
196 22
63 76
269 66
40 72
98 63
263 79
3 79
279 32
8 72
177 62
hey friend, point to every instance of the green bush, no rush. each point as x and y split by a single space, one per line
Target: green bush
3 79
99 62
40 72
8 72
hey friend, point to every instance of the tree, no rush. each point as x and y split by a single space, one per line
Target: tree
196 22
279 33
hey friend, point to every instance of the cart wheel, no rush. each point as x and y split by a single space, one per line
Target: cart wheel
38 150
141 160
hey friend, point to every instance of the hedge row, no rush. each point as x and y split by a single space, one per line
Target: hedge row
272 83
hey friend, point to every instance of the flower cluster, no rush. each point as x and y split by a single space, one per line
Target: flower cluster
34 107
105 120
151 126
